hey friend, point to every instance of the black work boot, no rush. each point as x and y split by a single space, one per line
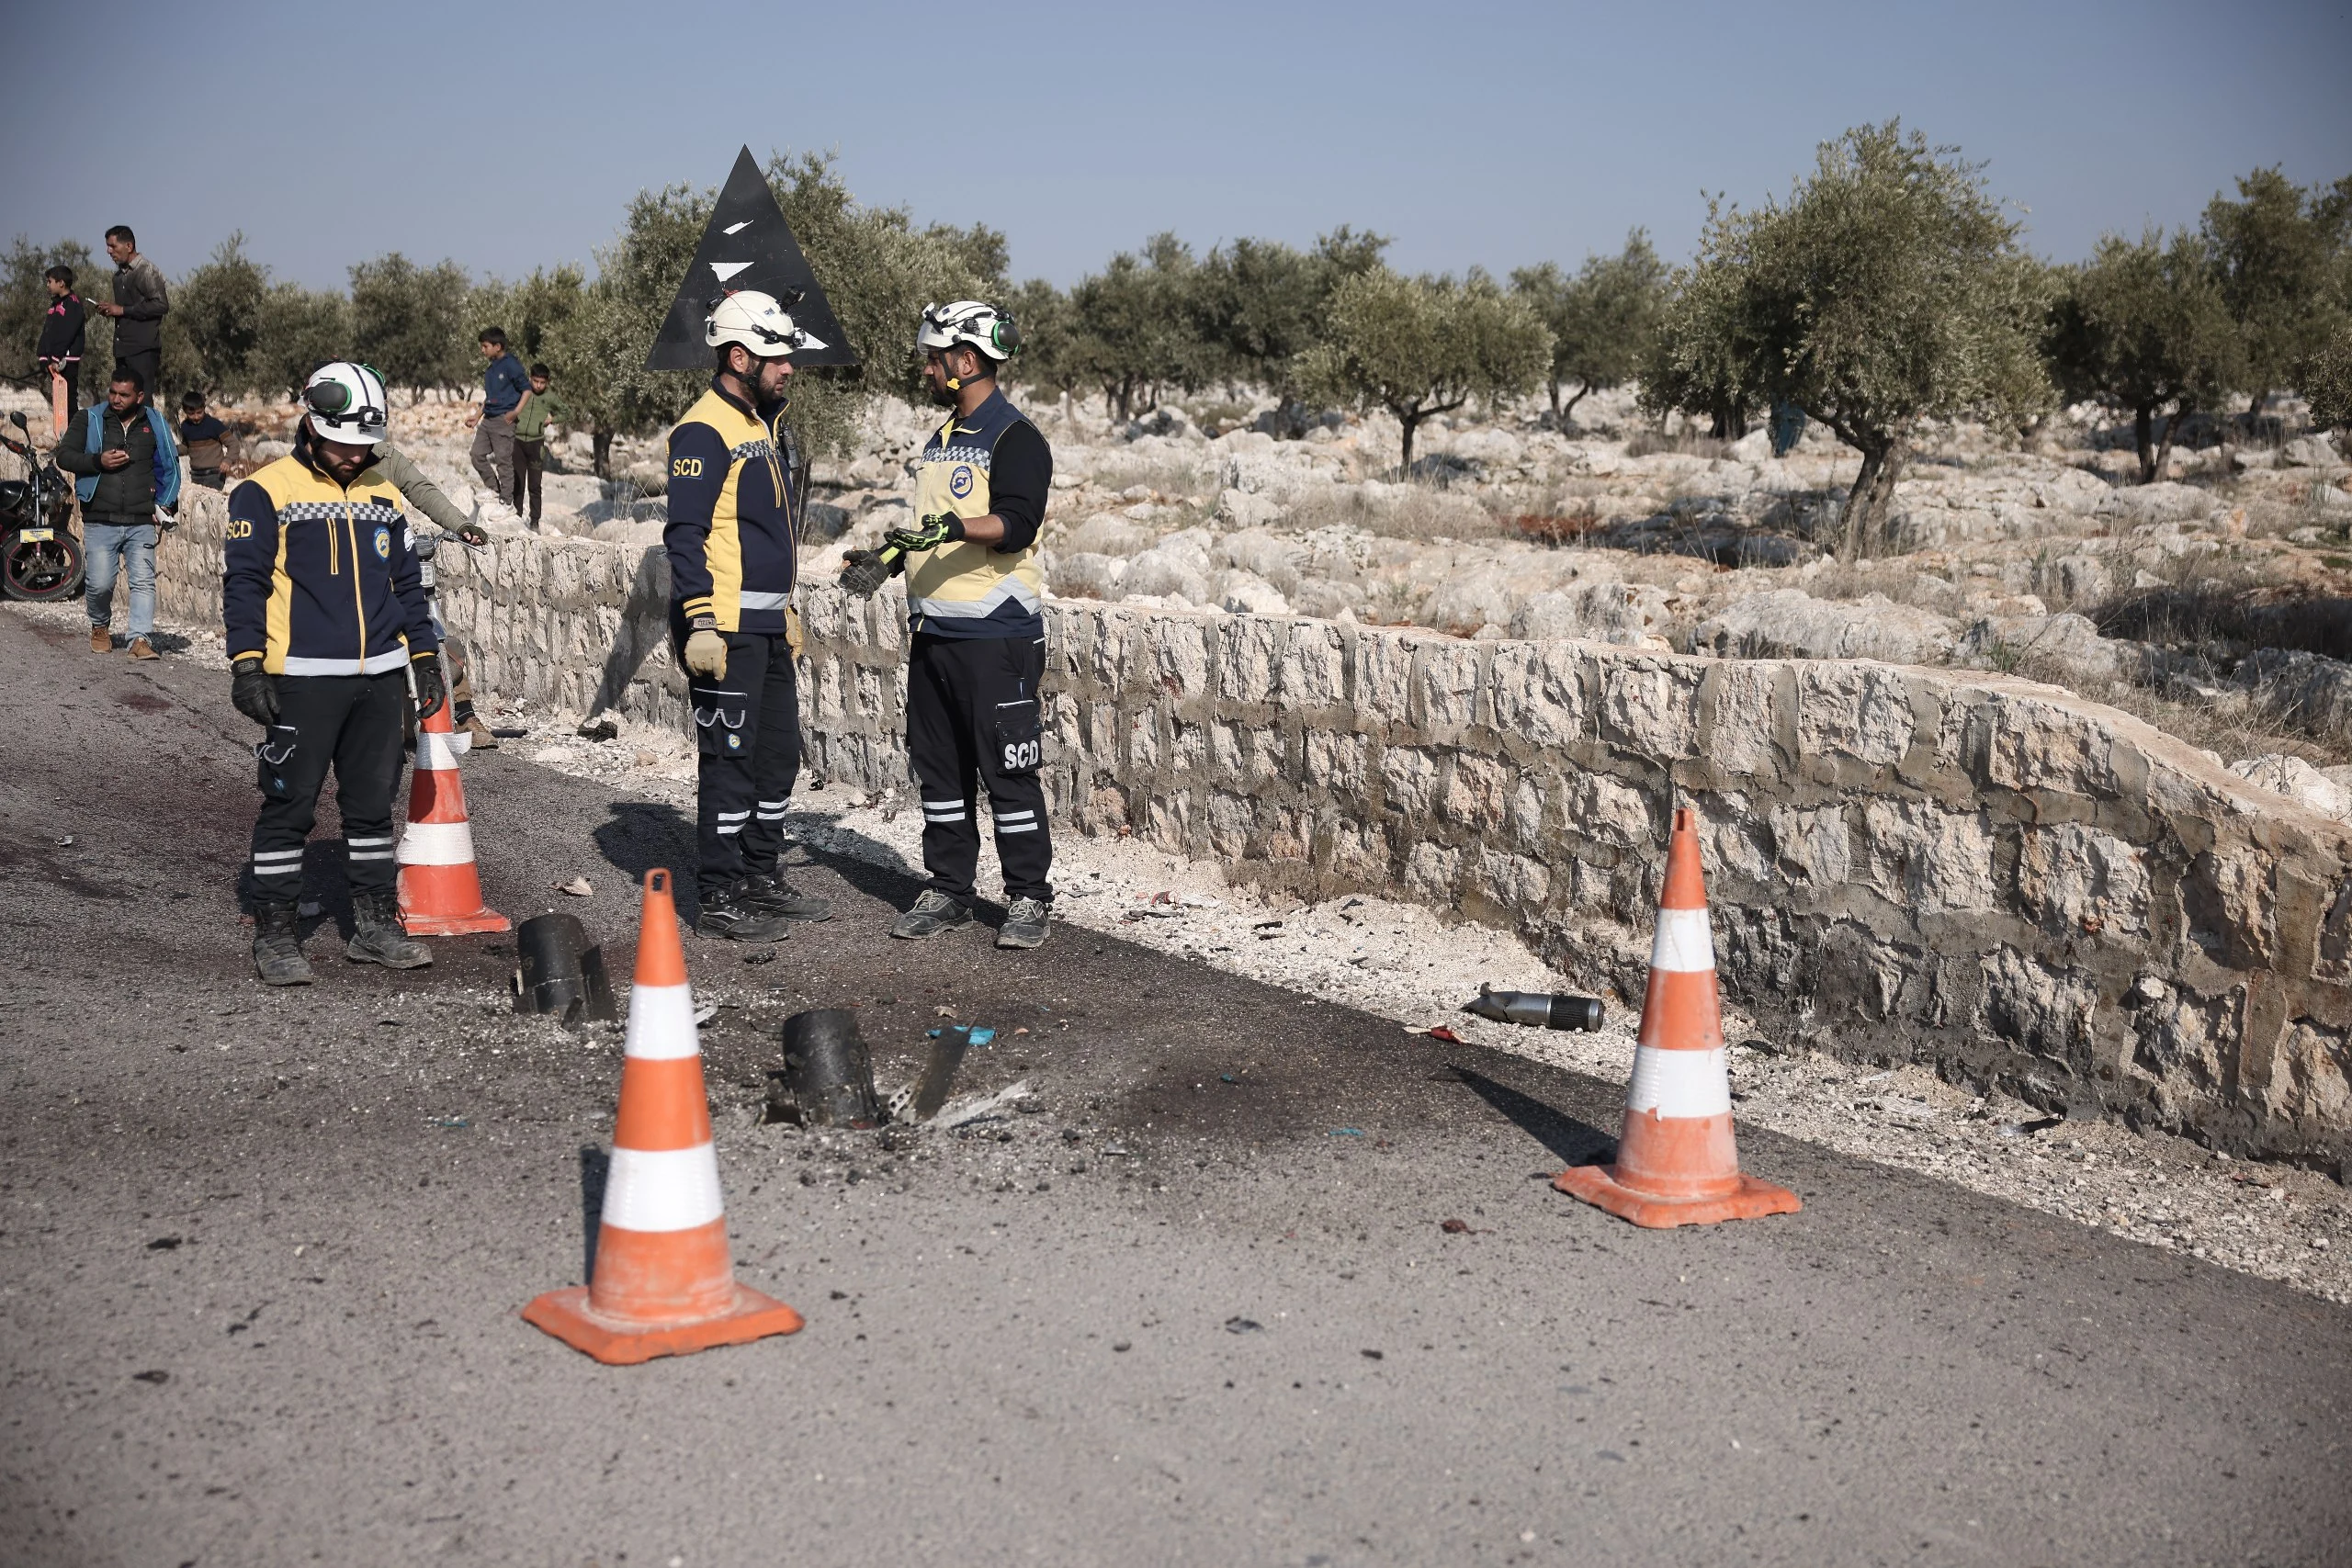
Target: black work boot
729 915
376 936
1024 924
932 913
277 945
772 895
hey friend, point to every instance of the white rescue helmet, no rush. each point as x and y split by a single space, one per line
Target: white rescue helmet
758 323
346 403
969 321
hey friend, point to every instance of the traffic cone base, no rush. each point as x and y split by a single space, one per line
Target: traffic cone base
440 889
618 1343
1677 1163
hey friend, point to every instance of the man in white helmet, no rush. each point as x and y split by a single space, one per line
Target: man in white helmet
327 624
732 538
975 603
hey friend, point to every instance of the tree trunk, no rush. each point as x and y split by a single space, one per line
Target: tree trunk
1412 423
1570 411
602 440
1871 501
1552 384
2144 439
2163 448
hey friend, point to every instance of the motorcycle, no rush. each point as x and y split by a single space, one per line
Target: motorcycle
40 558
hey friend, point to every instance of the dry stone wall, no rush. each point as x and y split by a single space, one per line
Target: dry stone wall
1992 875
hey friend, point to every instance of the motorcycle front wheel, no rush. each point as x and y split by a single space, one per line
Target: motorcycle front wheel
43 571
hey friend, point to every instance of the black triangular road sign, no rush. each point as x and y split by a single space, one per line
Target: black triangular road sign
747 246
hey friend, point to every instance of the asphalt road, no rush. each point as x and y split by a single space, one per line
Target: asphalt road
261 1255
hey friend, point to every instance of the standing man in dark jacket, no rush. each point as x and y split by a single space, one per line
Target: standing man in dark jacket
63 340
328 627
129 480
140 304
506 386
732 565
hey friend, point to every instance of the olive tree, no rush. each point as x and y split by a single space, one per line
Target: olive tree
2326 380
2276 253
1887 289
300 330
215 325
2143 325
1259 304
1602 318
1423 346
410 322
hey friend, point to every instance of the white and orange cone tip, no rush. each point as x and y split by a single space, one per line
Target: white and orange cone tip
663 1283
1676 1164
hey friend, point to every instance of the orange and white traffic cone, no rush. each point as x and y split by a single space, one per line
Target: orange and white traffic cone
440 889
1676 1164
663 1285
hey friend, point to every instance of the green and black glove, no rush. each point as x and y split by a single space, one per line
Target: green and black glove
928 534
253 690
864 571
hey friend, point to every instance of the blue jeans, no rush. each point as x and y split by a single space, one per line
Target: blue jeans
133 544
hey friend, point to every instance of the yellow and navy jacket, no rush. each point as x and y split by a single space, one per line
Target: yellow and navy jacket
320 579
992 460
731 511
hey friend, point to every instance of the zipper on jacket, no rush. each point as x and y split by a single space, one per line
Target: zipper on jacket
358 603
334 552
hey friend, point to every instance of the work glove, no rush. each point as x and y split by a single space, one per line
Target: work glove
928 534
864 571
474 534
166 521
253 691
707 654
430 692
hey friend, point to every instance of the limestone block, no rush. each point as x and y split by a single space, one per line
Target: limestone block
2311 1076
1188 748
1449 682
1538 693
2180 1034
1432 872
1746 703
1384 676
1359 853
1143 740
1248 648
2231 904
1526 819
1729 841
1334 762
1476 793
2038 1007
1853 710
1409 778
1180 658
1600 808
1230 821
1652 705
1511 880
1922 858
1313 670
1225 752
2033 744
2074 878
1814 847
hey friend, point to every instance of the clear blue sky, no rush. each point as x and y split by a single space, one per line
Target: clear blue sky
507 136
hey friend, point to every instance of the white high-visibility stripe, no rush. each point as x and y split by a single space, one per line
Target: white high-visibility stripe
1015 815
1016 826
774 804
661 1022
438 843
288 870
261 856
1684 944
1679 1083
771 817
356 842
434 751
392 659
662 1189
372 854
730 828
762 601
733 816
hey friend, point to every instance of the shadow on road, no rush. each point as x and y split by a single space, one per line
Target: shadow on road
1574 1142
643 834
596 1169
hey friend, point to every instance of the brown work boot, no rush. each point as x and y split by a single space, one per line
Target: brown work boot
483 740
101 640
141 649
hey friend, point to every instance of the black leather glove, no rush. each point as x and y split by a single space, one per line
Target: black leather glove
864 571
928 534
429 689
253 690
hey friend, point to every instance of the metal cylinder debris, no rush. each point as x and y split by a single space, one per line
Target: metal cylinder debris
560 972
828 1069
1537 1009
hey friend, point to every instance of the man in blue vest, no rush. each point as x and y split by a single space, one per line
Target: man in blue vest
127 477
976 605
732 539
